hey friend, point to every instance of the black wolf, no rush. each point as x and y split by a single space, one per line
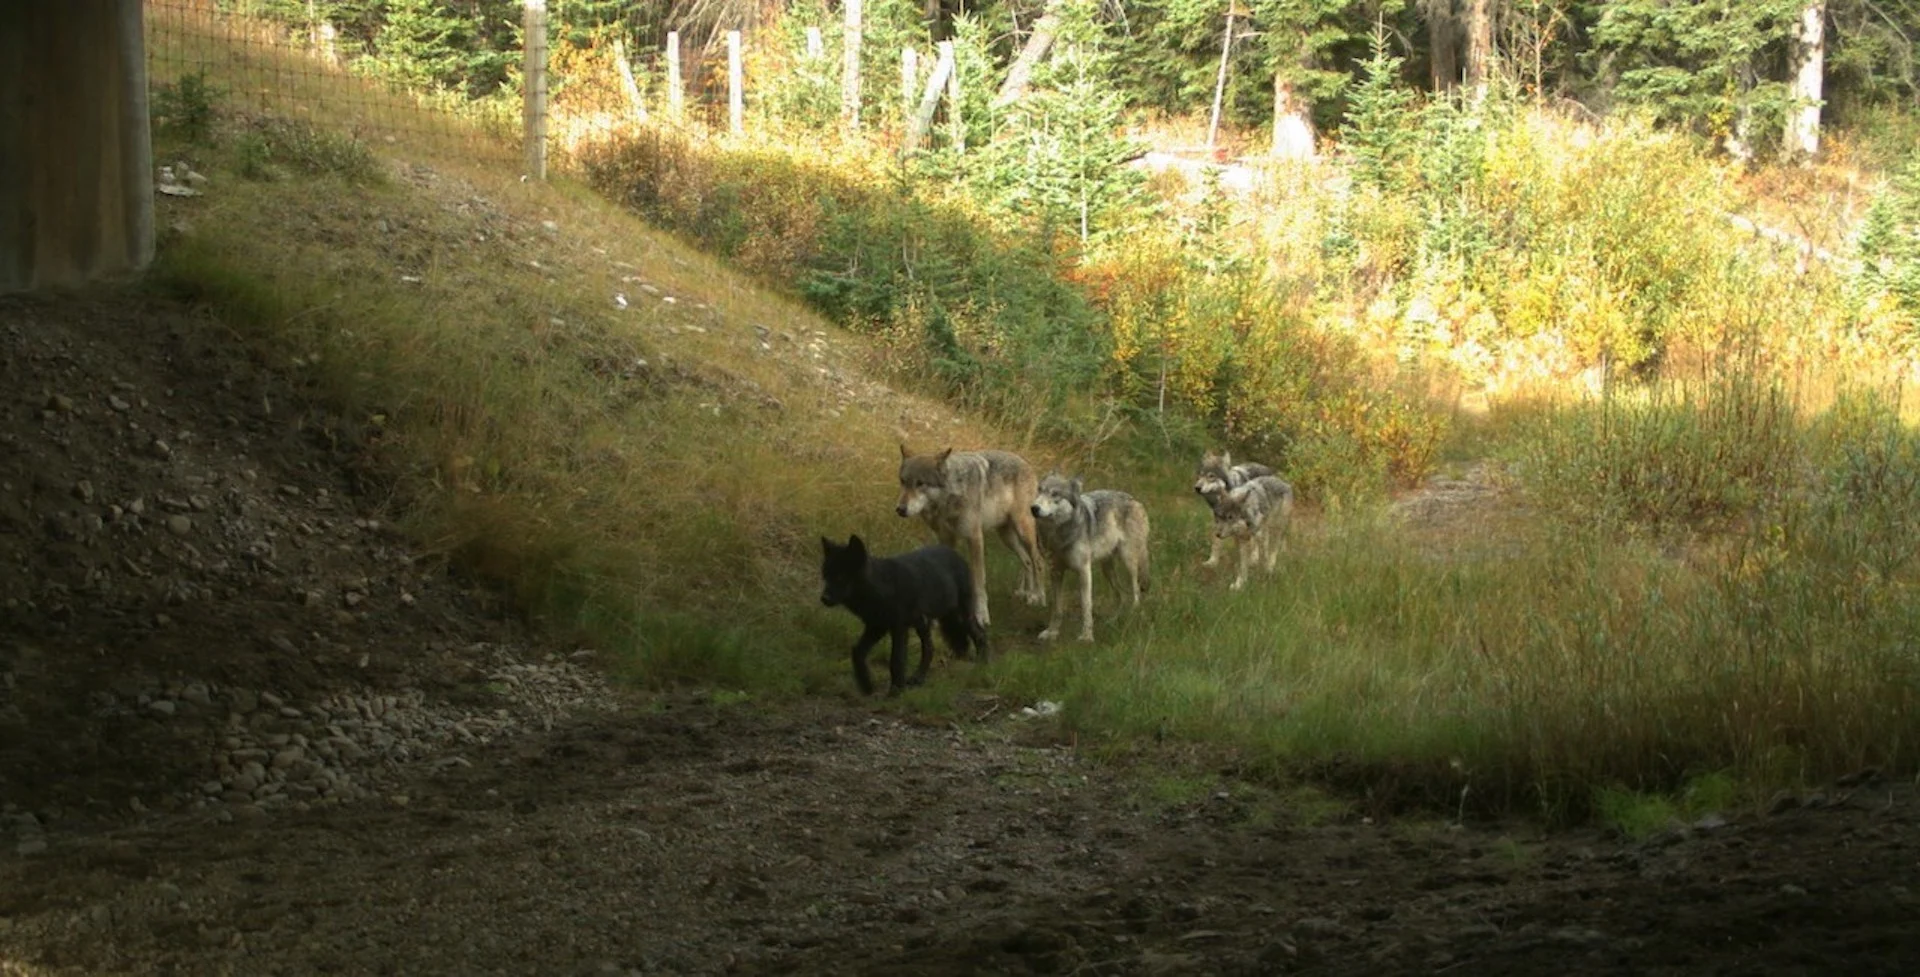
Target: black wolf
892 594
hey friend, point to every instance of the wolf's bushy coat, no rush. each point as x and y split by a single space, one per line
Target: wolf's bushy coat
1218 475
1079 529
892 595
962 496
1257 515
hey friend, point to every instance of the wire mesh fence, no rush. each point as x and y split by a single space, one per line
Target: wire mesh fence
270 58
453 75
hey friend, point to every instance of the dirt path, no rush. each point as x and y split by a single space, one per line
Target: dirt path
244 730
701 839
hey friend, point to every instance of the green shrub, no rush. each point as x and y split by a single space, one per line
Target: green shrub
186 109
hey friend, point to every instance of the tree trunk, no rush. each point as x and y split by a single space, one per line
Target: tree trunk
1292 126
930 102
628 83
1021 71
1810 56
1443 44
1479 45
1220 81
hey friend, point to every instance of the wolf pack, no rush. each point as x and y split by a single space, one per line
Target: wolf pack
1053 525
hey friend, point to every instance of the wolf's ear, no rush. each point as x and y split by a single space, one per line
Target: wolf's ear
1076 486
905 452
1226 459
857 547
827 546
944 454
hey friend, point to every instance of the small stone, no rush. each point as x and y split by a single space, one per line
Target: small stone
163 707
1792 891
179 525
160 449
117 404
61 403
30 846
83 490
242 701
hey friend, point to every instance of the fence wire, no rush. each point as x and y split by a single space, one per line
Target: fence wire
607 73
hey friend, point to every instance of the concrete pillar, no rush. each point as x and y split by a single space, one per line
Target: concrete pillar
76 154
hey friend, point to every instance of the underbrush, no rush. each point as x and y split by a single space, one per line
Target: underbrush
1555 658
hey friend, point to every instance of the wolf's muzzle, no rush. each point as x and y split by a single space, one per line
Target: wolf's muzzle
900 510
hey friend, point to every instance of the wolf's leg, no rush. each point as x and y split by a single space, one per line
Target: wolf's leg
926 652
977 565
1248 551
897 664
1276 534
1059 602
1213 553
863 676
1019 535
1086 601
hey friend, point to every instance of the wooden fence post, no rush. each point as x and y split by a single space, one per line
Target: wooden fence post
534 106
850 74
956 128
736 82
676 92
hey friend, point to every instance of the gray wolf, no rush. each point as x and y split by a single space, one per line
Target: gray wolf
1255 515
893 594
963 495
1079 529
1217 476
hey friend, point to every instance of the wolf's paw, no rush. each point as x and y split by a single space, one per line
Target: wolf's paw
1049 634
1210 562
1035 598
1237 584
1086 636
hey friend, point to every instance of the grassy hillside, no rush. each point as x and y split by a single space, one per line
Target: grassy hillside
1699 581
